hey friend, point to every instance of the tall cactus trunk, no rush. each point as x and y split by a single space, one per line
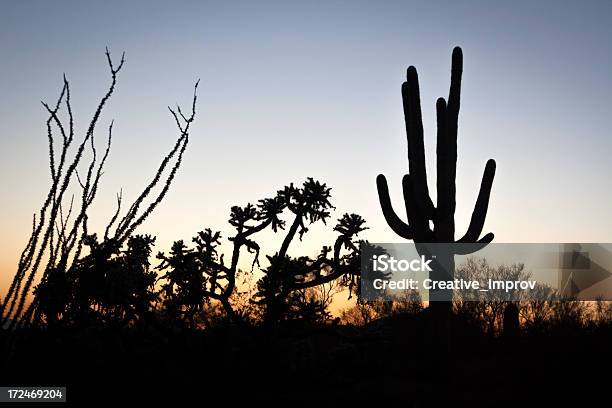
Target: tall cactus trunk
440 302
420 209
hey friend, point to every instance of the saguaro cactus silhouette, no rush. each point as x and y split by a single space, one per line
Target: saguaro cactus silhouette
420 210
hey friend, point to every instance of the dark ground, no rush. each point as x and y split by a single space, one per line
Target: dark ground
389 362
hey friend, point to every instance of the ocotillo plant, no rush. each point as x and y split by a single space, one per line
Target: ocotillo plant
58 237
420 210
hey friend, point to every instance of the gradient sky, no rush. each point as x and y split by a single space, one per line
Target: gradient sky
297 89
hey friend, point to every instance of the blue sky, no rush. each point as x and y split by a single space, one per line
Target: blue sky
296 89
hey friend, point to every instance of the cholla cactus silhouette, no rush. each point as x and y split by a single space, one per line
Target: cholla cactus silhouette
420 210
309 204
287 279
195 276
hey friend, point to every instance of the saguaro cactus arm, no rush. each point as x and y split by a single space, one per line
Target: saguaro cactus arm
480 209
416 218
446 154
397 225
414 133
